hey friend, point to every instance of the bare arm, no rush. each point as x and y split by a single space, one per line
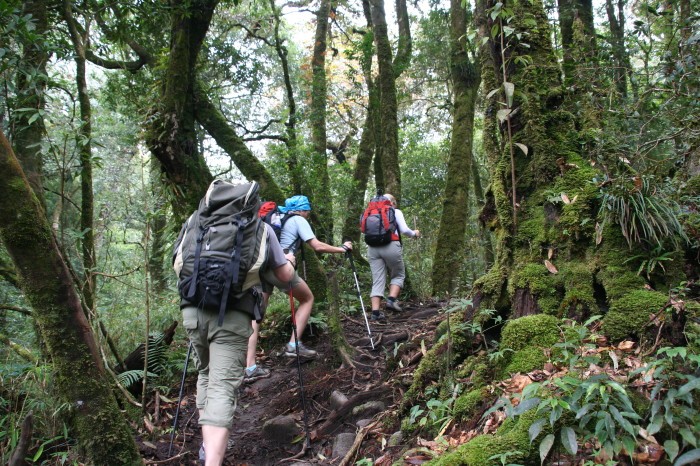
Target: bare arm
320 246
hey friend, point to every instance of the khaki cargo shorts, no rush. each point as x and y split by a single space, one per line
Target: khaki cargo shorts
220 358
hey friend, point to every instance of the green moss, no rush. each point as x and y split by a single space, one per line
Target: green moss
534 276
511 437
579 300
692 186
540 330
475 370
525 360
469 403
618 281
629 314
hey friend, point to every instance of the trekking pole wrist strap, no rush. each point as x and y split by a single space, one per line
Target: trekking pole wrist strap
345 248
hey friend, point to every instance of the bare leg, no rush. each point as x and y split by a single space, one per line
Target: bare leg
306 301
215 440
394 291
252 345
253 340
376 302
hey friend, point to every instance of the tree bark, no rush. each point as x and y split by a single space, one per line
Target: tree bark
449 251
319 184
84 145
569 12
30 94
389 129
214 122
171 134
101 430
368 141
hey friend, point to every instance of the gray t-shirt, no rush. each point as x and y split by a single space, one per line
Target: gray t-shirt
275 254
295 229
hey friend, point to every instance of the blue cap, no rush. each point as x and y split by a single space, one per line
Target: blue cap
296 203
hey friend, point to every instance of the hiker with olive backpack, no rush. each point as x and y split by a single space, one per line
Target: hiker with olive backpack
383 223
219 256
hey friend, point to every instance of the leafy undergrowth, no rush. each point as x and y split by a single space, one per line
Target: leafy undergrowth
591 402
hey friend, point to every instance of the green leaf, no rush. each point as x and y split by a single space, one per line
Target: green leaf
536 428
525 405
546 446
509 89
672 449
655 425
38 454
502 114
688 436
688 457
568 439
692 385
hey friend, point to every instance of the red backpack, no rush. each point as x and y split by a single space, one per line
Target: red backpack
378 222
270 214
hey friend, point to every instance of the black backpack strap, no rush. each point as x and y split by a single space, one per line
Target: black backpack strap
234 266
195 270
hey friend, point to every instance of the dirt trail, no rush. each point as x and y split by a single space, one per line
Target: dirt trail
265 399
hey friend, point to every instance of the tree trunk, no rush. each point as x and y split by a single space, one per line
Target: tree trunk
214 122
30 94
621 59
295 171
388 111
319 184
569 12
518 281
368 141
171 134
100 428
84 144
449 252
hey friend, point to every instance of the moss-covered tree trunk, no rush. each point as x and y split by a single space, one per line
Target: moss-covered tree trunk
570 11
96 421
292 143
449 252
31 85
171 134
215 123
539 126
388 108
319 184
368 140
84 144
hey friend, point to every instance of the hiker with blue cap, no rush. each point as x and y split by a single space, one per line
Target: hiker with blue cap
295 231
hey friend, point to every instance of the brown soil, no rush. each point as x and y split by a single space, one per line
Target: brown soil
279 395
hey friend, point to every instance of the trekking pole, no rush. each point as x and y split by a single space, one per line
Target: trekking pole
179 399
307 442
359 295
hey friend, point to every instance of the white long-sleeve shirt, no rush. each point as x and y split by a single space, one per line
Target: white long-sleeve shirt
401 222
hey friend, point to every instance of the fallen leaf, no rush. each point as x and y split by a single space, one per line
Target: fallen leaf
565 198
625 345
149 445
149 425
518 382
550 267
550 253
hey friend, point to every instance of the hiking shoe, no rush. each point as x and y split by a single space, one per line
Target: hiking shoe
393 305
256 374
304 352
378 315
202 459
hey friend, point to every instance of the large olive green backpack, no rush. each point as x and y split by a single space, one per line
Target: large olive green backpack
221 249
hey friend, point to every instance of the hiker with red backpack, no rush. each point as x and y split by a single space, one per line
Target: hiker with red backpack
383 224
294 231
